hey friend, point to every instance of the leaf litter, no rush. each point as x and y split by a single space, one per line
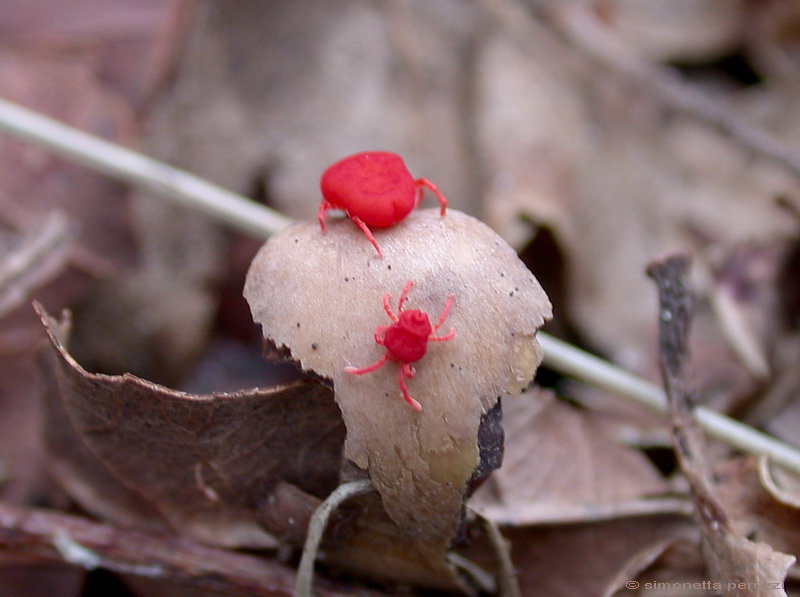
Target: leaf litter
564 142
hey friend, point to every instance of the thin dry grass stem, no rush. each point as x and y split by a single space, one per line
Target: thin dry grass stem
316 529
507 583
571 361
140 171
249 217
40 255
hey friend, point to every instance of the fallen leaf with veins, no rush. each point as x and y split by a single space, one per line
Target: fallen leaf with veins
220 468
560 466
205 463
583 558
320 296
76 469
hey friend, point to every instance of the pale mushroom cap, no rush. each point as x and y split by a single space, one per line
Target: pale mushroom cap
321 296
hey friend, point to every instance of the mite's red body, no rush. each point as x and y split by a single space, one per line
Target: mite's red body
375 189
406 340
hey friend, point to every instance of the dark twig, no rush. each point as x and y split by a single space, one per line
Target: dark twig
737 566
675 312
54 537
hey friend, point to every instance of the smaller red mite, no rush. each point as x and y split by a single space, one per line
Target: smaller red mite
406 340
375 189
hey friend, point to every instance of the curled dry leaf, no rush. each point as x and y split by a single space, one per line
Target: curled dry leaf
761 502
74 467
205 463
320 296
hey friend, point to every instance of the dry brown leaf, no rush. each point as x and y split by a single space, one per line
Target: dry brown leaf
206 464
641 561
529 170
623 184
678 570
320 296
559 467
582 558
697 31
267 95
760 507
745 568
126 43
75 468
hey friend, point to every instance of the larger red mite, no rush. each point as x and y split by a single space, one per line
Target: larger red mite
406 340
375 189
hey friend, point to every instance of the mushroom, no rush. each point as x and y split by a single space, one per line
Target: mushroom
320 296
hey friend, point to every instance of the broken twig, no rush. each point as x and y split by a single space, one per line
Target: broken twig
49 536
737 566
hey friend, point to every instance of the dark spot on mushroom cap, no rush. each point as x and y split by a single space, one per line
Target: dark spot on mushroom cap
298 324
314 346
388 266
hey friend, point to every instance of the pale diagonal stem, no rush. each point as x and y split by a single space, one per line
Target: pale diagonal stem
140 171
568 360
251 218
316 530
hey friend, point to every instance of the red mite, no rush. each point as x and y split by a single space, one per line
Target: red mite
375 189
406 340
